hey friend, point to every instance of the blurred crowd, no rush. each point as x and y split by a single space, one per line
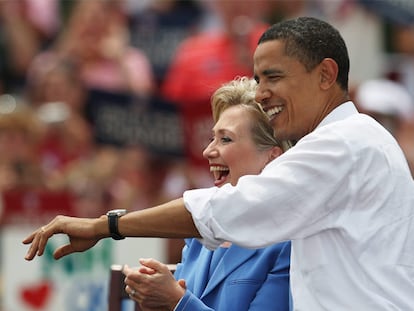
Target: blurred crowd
53 54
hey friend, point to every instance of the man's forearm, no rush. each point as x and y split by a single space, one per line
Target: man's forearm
168 220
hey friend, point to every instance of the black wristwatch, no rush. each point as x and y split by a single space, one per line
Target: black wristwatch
113 216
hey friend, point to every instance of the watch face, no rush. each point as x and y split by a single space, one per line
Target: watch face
118 212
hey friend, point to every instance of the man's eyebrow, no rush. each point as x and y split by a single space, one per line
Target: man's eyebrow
268 72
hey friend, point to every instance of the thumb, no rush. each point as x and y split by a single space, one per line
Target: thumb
63 251
182 283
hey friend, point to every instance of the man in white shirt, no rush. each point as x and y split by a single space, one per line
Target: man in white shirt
343 194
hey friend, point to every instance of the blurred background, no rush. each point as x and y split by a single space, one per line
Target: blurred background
106 104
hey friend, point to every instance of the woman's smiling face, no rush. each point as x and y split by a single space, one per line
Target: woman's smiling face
232 152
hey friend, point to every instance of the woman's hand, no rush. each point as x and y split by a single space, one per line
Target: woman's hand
153 286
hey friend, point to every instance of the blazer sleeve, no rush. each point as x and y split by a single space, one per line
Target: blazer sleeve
190 302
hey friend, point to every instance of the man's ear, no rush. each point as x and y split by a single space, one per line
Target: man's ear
328 73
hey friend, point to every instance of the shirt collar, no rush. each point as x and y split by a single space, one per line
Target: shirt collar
339 113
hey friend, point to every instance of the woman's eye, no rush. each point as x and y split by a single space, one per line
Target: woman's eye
226 139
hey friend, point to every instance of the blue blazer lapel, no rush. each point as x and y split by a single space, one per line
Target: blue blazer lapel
201 275
231 260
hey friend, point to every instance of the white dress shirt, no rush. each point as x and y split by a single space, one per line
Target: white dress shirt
345 197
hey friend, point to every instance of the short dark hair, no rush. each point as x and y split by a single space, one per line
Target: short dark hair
310 40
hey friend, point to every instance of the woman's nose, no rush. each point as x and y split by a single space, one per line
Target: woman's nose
210 152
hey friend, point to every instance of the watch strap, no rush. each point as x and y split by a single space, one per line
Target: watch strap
113 227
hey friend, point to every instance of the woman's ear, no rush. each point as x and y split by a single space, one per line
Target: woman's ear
274 153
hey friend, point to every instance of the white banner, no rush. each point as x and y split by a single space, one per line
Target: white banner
78 282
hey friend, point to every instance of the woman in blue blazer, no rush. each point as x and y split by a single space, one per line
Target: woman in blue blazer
244 279
231 277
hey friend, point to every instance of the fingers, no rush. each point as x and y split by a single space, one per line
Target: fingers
133 277
126 270
153 264
31 252
132 293
38 240
146 270
29 239
44 236
149 266
156 291
33 247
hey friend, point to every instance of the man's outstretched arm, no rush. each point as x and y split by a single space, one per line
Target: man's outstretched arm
168 220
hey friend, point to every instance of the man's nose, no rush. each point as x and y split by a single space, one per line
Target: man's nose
262 95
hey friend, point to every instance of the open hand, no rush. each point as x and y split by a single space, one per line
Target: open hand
81 232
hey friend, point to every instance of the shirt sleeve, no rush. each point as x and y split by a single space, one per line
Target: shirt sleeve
195 201
296 195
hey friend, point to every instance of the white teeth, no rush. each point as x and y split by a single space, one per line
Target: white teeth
218 168
273 111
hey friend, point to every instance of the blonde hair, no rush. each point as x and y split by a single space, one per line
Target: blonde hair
241 92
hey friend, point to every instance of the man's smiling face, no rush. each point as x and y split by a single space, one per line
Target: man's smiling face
288 93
